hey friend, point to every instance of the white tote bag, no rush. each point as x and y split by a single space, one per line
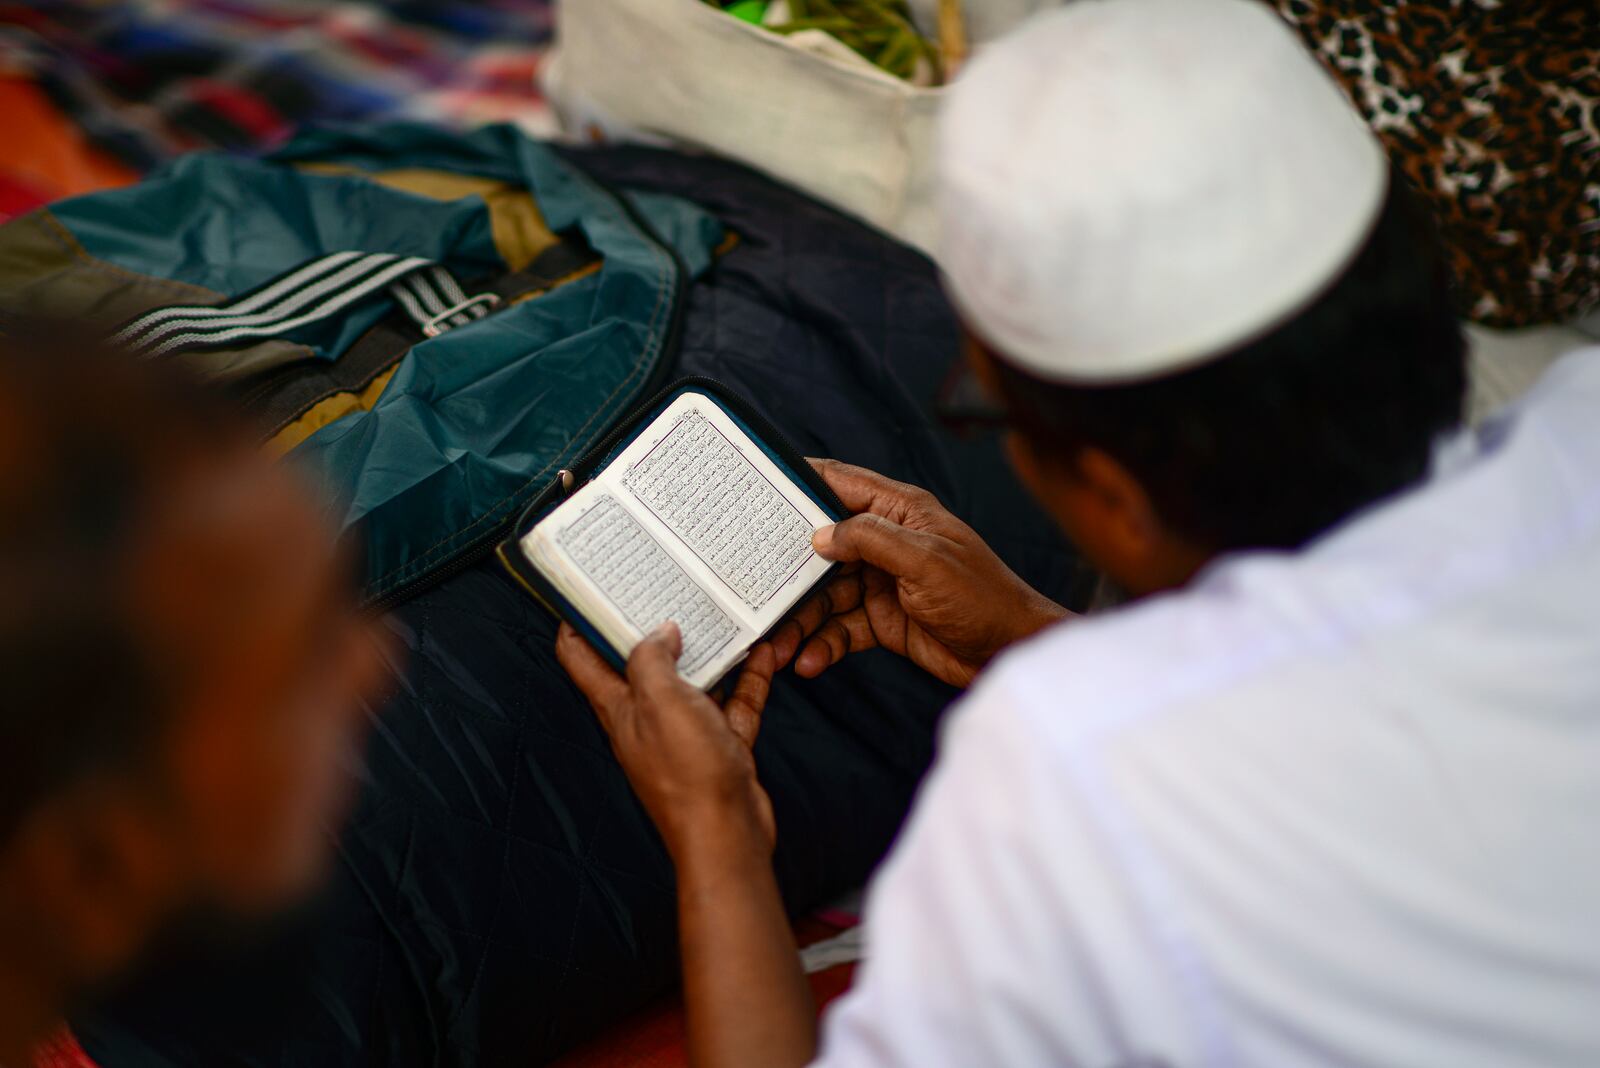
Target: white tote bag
682 71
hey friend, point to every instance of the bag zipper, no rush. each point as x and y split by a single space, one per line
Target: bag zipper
482 545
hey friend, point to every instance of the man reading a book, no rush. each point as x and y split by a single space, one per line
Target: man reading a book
1323 793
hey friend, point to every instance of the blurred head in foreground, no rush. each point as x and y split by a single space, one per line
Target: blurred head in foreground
182 669
1211 314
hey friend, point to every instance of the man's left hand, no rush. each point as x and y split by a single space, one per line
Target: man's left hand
688 758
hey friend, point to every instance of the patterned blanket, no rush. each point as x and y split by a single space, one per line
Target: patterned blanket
113 89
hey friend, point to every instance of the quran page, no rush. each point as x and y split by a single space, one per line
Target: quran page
724 501
644 583
692 522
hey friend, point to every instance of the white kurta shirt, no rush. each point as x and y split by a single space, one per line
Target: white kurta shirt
1335 807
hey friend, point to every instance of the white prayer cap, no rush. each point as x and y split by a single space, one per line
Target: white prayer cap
1130 187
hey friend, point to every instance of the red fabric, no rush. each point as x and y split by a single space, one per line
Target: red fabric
19 196
62 1051
46 156
248 110
655 1038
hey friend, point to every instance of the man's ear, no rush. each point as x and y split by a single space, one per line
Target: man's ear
1119 501
1099 503
1107 514
92 871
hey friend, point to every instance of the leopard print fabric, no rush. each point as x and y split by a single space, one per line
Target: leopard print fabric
1492 109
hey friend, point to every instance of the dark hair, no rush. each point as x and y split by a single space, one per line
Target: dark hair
1280 439
89 443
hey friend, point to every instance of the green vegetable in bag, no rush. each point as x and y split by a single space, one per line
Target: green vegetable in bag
752 11
880 30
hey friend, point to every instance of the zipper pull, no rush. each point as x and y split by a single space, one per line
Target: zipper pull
568 480
441 322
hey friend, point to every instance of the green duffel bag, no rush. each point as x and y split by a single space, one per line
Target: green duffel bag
431 323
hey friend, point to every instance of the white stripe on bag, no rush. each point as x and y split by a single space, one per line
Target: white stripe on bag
257 300
425 304
457 297
399 291
424 291
321 311
432 298
358 273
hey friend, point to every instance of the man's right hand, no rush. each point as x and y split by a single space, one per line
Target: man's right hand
918 582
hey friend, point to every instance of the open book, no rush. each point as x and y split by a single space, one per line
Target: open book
694 521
